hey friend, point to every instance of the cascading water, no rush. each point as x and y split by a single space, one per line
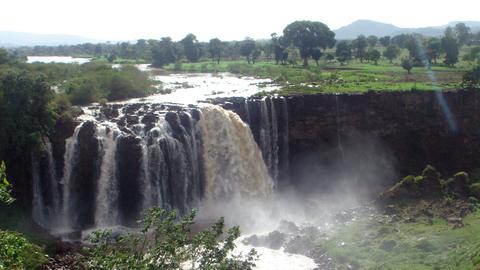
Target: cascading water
125 158
232 161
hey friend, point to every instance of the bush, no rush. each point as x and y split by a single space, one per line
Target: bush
16 252
475 190
166 244
471 78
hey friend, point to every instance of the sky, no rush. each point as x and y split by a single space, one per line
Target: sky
116 20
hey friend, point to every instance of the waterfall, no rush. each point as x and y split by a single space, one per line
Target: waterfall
107 189
46 197
69 158
233 162
118 164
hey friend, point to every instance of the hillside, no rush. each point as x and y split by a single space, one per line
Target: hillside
368 27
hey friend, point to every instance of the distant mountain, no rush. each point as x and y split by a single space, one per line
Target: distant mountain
367 27
16 39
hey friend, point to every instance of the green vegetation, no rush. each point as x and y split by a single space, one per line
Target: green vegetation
427 223
16 252
99 81
165 243
381 243
333 77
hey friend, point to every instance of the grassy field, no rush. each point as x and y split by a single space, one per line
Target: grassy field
379 243
331 77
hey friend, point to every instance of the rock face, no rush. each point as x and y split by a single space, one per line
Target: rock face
403 130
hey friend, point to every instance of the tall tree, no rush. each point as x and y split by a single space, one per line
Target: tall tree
307 36
278 48
343 52
392 52
373 55
463 34
450 47
385 41
434 48
215 47
360 45
247 47
372 40
191 48
163 52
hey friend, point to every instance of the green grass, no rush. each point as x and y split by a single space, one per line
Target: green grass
417 245
331 77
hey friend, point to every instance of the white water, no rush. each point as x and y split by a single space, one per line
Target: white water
233 163
57 59
271 259
191 88
106 213
69 159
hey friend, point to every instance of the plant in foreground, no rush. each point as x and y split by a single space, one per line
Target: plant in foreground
166 243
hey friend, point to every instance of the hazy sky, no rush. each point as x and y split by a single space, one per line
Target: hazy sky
228 20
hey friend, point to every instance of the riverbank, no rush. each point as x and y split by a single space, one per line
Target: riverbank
336 78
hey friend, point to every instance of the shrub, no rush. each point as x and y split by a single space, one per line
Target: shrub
166 244
475 190
471 78
17 252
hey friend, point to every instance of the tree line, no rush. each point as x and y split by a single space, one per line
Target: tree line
300 40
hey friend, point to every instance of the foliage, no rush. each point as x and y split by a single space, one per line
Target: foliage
417 244
373 55
307 36
247 47
343 52
392 52
385 41
24 103
17 253
372 40
191 48
5 186
407 64
215 48
450 47
163 52
360 44
165 243
471 78
98 81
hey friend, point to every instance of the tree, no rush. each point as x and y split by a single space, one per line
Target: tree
247 47
215 48
191 48
343 52
255 55
471 78
3 56
434 48
373 55
278 48
407 64
450 47
5 186
360 45
316 55
385 41
392 52
163 52
372 40
473 55
463 34
307 36
168 243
